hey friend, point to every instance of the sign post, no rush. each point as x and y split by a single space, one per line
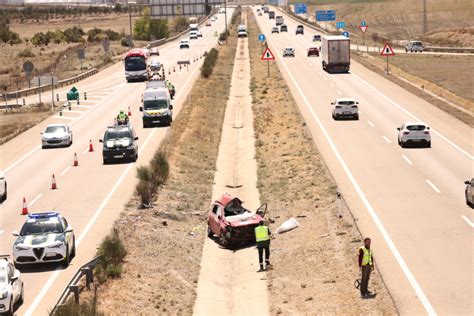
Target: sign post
363 27
81 53
36 81
267 55
28 69
261 38
387 51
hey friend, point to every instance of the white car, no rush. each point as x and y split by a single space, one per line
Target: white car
3 187
345 108
415 133
154 52
275 29
289 51
11 287
414 46
45 237
56 135
199 34
183 44
193 35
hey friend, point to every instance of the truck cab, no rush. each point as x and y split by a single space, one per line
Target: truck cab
157 106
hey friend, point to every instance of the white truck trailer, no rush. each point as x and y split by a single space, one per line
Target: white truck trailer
336 53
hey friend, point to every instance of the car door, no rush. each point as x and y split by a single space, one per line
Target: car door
16 284
214 220
262 210
68 236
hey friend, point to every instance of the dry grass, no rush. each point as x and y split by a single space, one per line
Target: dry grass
164 246
13 123
314 265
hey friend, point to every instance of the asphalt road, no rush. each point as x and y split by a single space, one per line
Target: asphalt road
410 201
91 195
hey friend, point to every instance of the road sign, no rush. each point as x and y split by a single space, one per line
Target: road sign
301 8
363 23
81 53
346 34
363 28
267 55
326 15
44 80
28 66
387 50
340 25
106 44
261 37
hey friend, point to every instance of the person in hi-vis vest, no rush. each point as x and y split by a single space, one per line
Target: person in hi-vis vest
366 265
262 236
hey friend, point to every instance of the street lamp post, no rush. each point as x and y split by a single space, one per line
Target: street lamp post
130 25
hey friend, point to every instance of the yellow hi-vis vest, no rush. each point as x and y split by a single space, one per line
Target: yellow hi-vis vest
367 259
261 233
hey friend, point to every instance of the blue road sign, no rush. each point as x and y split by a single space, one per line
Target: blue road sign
363 23
261 37
301 8
326 15
346 34
340 25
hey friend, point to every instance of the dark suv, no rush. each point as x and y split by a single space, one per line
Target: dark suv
120 142
300 29
313 51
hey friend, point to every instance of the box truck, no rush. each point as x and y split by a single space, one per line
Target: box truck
336 53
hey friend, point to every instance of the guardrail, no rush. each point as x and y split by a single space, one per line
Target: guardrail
73 285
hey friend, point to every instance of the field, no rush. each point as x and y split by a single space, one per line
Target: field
449 22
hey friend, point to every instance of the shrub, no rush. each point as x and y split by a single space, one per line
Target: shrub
159 168
97 35
111 254
209 62
26 53
40 39
74 34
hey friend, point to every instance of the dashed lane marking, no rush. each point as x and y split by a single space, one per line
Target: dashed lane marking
407 160
432 186
386 139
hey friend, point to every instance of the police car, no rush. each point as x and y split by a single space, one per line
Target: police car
11 286
45 237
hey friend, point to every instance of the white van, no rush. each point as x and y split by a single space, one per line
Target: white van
157 106
193 35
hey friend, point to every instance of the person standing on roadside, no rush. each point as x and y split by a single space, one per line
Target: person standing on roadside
366 265
262 236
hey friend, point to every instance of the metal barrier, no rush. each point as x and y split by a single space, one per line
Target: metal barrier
73 285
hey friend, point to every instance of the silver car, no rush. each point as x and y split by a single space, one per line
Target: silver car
414 46
289 51
56 135
11 287
345 108
469 192
415 133
3 187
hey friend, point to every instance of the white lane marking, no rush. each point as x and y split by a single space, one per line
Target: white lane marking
35 199
320 73
316 68
21 159
65 170
72 111
386 139
331 84
413 116
91 222
432 186
371 124
468 221
407 160
83 106
64 117
1 232
339 92
403 265
87 149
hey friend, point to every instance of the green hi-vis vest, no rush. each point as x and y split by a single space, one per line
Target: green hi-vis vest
367 259
261 233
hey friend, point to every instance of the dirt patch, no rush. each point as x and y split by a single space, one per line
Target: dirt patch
164 244
314 265
13 123
439 75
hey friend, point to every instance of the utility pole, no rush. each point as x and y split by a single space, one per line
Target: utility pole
425 19
225 18
130 25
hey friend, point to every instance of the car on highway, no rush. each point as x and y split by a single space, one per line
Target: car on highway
184 44
316 38
199 34
414 133
45 237
11 286
414 46
345 108
288 51
154 52
283 28
469 192
313 51
300 29
233 224
154 65
157 106
120 143
208 23
56 135
260 13
275 29
193 35
3 188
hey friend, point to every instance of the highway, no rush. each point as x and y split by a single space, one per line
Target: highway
410 201
91 195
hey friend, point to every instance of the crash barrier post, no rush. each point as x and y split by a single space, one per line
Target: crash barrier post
73 285
78 101
57 97
85 95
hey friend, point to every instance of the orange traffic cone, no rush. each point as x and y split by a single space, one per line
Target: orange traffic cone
76 163
53 184
24 210
129 113
91 148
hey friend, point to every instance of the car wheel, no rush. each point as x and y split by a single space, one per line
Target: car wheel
4 197
428 145
402 144
22 295
209 232
10 310
67 259
104 161
223 240
336 117
73 252
70 143
356 117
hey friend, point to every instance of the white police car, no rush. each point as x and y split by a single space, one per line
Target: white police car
45 237
11 286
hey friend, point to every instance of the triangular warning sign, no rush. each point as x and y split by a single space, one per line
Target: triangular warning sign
363 28
267 55
387 50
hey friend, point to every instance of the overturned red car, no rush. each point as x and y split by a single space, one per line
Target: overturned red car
233 224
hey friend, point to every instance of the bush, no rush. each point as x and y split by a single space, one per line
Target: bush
40 39
26 53
7 36
74 34
111 254
151 177
160 168
209 62
145 27
97 35
124 42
